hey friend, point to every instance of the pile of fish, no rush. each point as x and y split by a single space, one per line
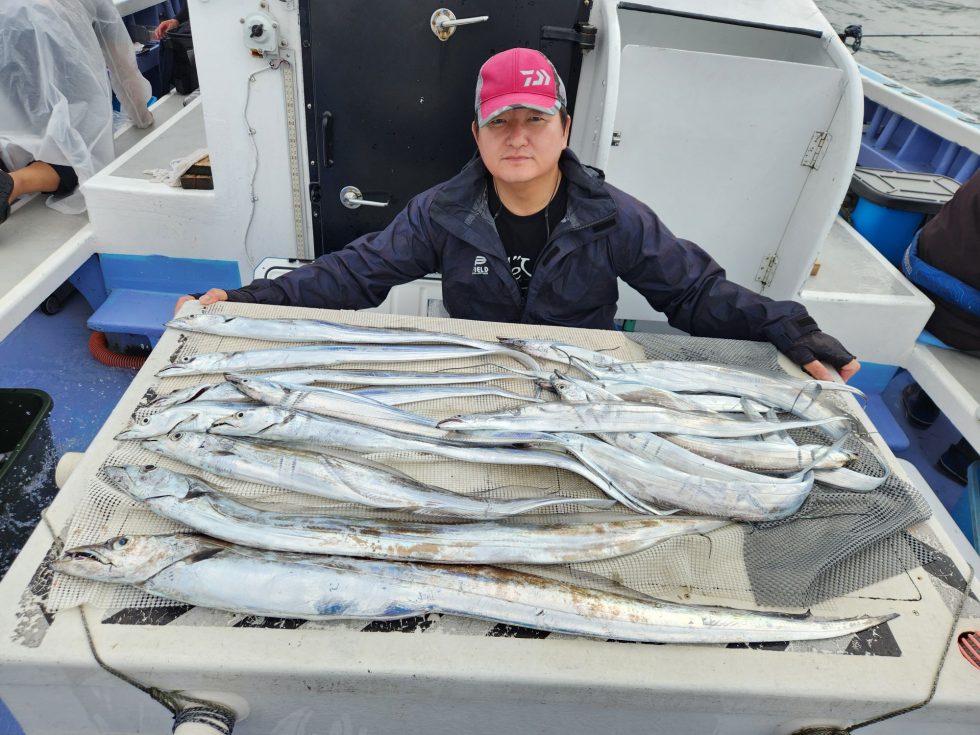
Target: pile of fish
673 448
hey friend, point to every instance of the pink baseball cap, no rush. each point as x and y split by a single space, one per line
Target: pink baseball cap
518 77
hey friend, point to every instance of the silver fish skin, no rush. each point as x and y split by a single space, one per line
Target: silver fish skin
196 417
191 501
338 404
612 416
769 456
338 478
308 431
545 349
315 330
647 481
640 393
653 446
199 571
786 393
226 392
422 394
324 356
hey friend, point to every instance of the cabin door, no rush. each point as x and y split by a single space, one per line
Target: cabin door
389 104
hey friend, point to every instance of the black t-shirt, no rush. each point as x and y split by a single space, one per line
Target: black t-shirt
525 237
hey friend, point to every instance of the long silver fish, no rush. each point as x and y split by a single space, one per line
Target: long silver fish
641 393
611 416
649 481
315 330
653 446
338 478
786 393
841 477
766 456
324 356
337 404
307 431
190 417
199 571
225 392
546 349
422 394
191 501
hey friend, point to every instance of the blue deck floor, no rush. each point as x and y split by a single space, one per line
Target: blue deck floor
51 353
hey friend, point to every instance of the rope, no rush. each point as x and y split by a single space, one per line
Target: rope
223 722
216 715
942 662
831 730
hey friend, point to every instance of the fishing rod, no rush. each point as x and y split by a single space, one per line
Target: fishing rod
857 34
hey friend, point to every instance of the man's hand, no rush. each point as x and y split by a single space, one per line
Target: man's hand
164 28
809 350
211 297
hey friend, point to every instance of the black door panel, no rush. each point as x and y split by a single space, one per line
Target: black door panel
389 105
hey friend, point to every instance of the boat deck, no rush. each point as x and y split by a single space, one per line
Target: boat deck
41 247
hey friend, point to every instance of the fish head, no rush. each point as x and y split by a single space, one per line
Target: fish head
251 421
180 444
567 389
128 559
157 424
196 322
188 365
148 481
264 391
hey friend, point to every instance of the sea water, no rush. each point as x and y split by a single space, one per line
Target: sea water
944 68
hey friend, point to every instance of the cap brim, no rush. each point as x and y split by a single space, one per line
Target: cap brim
499 105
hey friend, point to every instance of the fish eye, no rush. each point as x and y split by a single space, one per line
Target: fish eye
145 420
178 435
185 358
240 415
149 468
120 542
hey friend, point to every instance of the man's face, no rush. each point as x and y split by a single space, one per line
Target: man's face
521 146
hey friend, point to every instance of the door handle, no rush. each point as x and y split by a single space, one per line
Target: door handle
444 22
350 197
326 132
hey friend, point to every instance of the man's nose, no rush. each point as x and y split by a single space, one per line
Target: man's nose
517 135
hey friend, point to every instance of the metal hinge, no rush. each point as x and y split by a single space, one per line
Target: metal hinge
767 270
815 149
583 35
617 137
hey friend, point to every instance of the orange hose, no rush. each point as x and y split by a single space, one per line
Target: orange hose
99 347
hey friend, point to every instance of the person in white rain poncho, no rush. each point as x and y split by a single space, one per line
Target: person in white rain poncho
56 119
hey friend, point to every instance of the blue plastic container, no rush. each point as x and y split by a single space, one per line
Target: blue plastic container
892 205
889 230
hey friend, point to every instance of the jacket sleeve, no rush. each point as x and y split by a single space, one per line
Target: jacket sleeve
360 275
680 279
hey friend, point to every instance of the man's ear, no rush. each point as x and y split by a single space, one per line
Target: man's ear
475 130
568 128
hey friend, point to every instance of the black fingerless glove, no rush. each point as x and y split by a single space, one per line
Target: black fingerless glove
818 346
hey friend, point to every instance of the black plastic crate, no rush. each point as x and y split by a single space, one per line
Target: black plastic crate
26 469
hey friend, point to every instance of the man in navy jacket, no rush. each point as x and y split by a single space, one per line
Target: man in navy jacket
527 233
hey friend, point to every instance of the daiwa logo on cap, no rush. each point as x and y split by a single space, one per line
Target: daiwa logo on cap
479 266
540 77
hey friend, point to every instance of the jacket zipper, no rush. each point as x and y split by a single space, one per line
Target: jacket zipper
547 247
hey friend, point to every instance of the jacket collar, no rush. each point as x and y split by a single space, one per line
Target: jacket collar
460 204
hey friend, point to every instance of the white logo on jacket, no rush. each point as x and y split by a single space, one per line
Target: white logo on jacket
479 267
